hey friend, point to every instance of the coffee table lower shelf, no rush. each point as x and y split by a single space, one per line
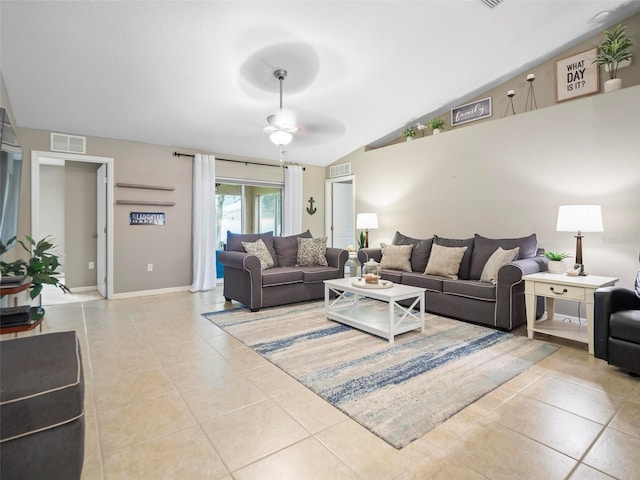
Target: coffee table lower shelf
347 308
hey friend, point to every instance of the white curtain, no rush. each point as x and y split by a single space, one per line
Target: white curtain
204 223
292 200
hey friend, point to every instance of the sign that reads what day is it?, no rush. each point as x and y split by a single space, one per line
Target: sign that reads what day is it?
577 76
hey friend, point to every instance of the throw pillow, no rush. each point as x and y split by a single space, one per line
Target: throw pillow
484 247
420 253
465 263
234 242
396 257
498 259
312 251
259 249
445 261
287 248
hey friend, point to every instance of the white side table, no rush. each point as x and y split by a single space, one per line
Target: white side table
552 286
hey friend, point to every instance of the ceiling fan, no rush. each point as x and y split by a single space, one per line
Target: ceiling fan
281 125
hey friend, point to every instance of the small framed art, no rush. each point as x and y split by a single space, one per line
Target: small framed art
577 75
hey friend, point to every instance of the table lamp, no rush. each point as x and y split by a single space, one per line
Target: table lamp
365 221
580 218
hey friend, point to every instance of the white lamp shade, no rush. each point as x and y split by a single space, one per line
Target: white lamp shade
367 221
281 137
584 218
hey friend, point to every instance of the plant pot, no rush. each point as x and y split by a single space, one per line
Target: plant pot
612 85
555 266
436 131
408 139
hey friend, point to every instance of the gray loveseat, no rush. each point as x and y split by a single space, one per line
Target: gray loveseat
499 305
285 282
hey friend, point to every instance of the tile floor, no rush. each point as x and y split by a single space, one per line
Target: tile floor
171 396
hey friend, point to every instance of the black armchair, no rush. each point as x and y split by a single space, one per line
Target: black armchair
617 326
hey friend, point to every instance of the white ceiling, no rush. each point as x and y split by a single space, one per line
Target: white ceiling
198 75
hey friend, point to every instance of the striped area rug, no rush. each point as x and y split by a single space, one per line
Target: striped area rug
399 391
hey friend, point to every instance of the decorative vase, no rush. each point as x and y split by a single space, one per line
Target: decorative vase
436 131
612 85
555 266
371 271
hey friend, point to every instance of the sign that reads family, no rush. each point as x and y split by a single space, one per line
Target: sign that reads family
147 218
471 112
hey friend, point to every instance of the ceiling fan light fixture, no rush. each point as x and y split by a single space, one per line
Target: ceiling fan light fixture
281 138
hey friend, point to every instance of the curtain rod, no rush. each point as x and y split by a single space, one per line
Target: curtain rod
178 154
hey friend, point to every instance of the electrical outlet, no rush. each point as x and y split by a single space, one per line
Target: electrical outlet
92 265
149 267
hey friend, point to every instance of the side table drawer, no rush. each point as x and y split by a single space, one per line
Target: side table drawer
560 291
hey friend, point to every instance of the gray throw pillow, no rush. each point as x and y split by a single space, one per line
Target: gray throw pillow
419 254
287 248
234 242
484 247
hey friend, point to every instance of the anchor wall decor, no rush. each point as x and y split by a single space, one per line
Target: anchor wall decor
311 209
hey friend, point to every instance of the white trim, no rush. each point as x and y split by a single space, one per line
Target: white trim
36 155
149 293
85 289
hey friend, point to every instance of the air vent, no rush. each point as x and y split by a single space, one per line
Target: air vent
491 3
340 170
68 143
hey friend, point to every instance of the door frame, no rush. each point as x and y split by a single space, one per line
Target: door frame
328 202
36 155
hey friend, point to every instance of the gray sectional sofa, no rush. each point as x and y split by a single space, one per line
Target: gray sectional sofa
246 281
498 303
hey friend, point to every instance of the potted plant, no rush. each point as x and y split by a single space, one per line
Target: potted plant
42 266
614 49
362 240
408 133
436 125
555 265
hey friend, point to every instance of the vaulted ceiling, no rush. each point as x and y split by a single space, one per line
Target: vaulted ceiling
199 75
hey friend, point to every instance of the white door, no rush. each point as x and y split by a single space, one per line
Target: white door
340 210
101 215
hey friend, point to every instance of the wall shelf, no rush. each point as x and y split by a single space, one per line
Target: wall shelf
145 187
145 202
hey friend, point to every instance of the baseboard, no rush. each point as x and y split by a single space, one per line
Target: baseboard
149 293
84 289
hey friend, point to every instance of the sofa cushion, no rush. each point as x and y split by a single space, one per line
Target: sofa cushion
498 259
465 263
419 254
312 251
421 280
394 276
259 249
484 247
625 325
470 289
42 384
396 257
445 261
286 248
281 276
316 274
234 242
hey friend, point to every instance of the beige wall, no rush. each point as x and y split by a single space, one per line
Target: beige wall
168 248
508 177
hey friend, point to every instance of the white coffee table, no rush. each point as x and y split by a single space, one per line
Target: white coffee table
348 309
564 287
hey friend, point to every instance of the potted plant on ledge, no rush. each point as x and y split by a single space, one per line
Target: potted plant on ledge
555 265
408 133
436 125
613 52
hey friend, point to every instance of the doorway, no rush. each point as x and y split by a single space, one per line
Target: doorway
340 198
100 170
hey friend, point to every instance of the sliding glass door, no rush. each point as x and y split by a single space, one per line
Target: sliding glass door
243 207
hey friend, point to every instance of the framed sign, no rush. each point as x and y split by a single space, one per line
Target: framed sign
471 112
147 218
577 75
